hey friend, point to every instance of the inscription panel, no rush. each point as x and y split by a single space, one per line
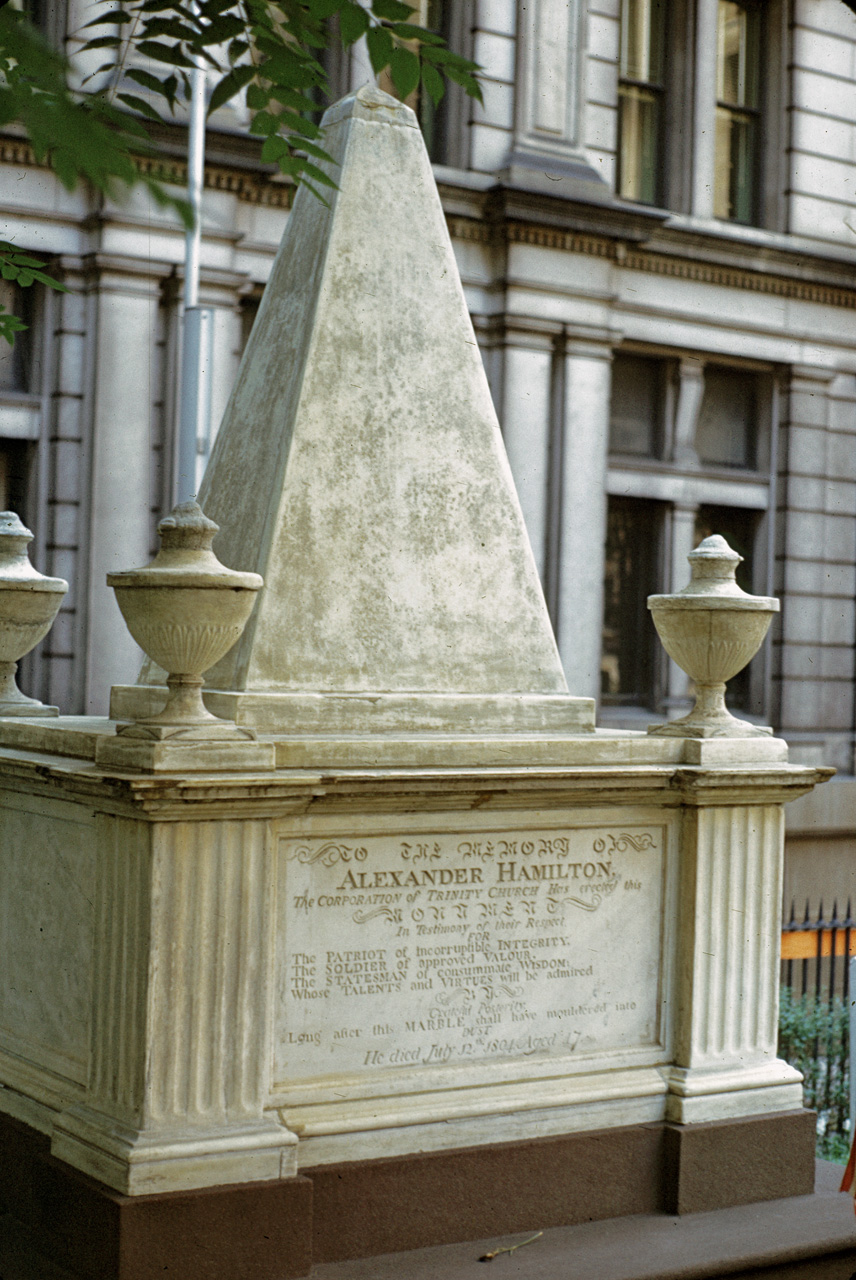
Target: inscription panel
461 947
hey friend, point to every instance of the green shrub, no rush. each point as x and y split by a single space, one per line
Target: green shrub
813 1037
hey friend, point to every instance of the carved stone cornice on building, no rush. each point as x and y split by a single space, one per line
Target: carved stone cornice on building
496 234
250 186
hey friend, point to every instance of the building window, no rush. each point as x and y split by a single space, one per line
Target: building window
637 406
632 573
14 471
432 119
737 111
640 100
16 361
727 434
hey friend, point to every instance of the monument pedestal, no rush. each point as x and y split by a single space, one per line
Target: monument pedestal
384 1007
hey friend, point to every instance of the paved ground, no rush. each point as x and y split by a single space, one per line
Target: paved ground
809 1236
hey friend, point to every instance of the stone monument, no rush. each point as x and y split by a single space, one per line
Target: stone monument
419 955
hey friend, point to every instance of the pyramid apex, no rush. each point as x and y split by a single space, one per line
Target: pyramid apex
371 103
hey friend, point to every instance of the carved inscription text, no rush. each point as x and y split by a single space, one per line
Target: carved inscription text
453 948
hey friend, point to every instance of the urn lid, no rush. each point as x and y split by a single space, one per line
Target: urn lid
16 572
185 558
712 583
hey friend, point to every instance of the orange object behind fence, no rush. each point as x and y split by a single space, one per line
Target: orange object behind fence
802 944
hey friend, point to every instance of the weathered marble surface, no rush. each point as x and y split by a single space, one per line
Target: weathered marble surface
633 897
361 470
433 947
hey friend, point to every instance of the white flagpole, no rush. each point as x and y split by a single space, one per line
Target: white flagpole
197 328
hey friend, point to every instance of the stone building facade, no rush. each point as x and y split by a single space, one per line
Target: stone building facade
653 218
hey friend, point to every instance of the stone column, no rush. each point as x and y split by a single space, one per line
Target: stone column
526 409
181 1011
813 650
122 319
690 394
725 1063
704 109
585 442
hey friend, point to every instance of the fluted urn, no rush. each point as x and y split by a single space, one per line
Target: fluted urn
29 602
712 629
185 610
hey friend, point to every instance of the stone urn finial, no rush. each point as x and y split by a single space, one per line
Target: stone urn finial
29 602
711 628
186 610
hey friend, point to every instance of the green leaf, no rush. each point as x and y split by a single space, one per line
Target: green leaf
394 10
264 124
171 28
25 279
222 29
324 9
171 53
408 31
466 81
380 47
318 174
257 97
50 282
447 58
139 104
148 81
299 125
109 19
291 98
9 272
311 150
353 22
231 84
433 82
103 42
404 69
273 149
9 326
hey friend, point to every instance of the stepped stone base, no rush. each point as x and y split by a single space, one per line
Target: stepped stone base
58 1224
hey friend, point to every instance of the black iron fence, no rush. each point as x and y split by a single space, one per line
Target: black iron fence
814 1017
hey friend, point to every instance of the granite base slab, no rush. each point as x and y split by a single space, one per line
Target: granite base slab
809 1237
52 1216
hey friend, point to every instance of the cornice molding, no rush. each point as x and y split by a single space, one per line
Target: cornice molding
498 234
249 186
259 188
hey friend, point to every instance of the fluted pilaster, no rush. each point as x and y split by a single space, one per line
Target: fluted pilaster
182 1000
725 1050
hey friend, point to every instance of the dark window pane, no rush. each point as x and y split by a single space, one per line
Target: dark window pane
737 92
642 40
636 410
726 433
738 528
640 93
631 575
736 164
638 157
15 361
15 457
737 54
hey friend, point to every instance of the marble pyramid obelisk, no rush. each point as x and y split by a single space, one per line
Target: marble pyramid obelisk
360 469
